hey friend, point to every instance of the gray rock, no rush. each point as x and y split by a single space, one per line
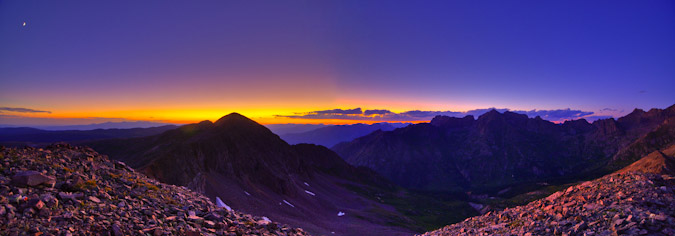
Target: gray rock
32 178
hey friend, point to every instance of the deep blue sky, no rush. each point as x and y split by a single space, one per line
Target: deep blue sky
270 57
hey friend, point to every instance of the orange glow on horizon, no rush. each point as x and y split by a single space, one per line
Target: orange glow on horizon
187 116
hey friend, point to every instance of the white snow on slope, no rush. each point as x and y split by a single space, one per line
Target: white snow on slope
310 193
248 194
306 184
220 203
341 213
288 203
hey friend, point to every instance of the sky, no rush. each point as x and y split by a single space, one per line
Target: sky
79 62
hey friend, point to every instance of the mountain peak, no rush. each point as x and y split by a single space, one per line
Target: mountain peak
492 111
492 114
234 118
448 121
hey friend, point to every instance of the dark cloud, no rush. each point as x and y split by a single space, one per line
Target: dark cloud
342 114
418 115
376 112
608 109
355 111
20 109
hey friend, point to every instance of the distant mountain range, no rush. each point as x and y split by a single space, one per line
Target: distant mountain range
105 125
32 136
334 134
252 169
290 128
501 150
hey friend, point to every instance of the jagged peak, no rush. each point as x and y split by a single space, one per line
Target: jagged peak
515 115
670 108
440 120
577 121
638 110
493 113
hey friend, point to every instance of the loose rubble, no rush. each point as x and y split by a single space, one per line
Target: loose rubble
64 190
618 204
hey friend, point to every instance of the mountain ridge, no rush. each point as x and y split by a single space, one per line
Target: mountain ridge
501 149
330 135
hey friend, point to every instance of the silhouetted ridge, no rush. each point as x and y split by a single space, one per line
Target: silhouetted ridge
490 115
500 150
448 121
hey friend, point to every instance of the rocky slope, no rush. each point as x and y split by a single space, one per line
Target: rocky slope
64 190
631 203
498 151
657 162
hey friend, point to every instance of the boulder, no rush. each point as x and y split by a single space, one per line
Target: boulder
32 178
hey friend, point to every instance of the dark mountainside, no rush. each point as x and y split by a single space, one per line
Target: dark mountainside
502 150
331 135
35 137
253 170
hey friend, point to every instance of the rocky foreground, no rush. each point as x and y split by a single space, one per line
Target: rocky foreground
64 190
618 204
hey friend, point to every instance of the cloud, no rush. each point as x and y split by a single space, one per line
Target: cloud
354 111
376 112
608 109
557 115
20 109
419 115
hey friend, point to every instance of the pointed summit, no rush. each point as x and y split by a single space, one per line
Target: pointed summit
492 112
491 115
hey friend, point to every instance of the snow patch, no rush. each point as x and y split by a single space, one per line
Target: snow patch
476 206
248 194
288 203
266 219
220 203
341 213
310 193
306 184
